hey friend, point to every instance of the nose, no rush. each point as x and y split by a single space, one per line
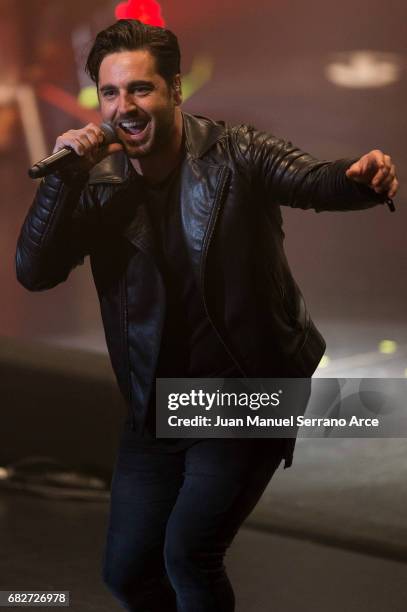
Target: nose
126 103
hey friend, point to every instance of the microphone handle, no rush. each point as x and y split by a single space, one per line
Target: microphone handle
66 156
390 204
53 162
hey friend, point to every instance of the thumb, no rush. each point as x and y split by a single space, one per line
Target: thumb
103 152
113 148
106 151
354 170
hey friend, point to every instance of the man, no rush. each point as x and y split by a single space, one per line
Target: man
182 222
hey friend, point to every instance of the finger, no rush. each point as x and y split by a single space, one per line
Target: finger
84 146
70 142
370 168
366 167
387 162
379 178
354 170
387 168
91 139
94 129
394 188
387 185
386 171
74 141
65 140
384 178
388 182
91 135
377 157
391 175
89 143
103 152
78 146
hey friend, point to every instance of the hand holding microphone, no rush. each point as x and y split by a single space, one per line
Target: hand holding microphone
377 171
82 148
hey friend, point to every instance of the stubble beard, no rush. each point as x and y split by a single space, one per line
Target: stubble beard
160 136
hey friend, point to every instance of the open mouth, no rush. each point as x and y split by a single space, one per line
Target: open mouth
134 128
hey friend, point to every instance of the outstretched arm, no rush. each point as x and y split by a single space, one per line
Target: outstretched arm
291 177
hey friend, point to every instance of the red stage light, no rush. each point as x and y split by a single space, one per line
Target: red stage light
147 11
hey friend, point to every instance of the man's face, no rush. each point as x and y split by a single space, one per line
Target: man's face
137 100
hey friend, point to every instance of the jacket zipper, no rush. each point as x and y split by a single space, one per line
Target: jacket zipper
212 222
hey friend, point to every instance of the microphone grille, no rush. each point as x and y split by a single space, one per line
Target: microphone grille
109 133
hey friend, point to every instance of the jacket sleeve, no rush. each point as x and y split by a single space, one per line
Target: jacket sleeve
293 178
55 234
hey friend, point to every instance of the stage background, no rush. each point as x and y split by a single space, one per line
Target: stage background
330 77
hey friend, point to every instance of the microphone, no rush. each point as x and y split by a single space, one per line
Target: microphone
67 156
390 204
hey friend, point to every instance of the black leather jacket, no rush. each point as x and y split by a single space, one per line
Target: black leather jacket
233 181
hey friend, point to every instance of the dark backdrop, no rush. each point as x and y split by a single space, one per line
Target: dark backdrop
269 68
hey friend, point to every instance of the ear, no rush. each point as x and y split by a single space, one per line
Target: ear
177 89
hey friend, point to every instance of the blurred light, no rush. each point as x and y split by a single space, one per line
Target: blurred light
387 347
325 361
147 11
66 102
31 122
7 94
364 69
200 73
88 97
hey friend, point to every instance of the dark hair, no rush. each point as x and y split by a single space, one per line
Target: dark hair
130 35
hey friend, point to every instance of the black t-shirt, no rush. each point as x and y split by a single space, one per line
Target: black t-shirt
190 347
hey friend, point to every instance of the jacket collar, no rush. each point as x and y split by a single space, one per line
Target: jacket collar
201 134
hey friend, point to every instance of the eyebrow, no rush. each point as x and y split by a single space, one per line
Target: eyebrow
131 84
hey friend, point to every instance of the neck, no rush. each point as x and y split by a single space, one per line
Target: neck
158 166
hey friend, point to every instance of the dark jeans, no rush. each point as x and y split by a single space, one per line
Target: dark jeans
173 516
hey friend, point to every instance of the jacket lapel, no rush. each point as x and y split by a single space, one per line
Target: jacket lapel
199 186
200 182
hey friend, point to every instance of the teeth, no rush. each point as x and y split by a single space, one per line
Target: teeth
132 124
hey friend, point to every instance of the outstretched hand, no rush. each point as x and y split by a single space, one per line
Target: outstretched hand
377 171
